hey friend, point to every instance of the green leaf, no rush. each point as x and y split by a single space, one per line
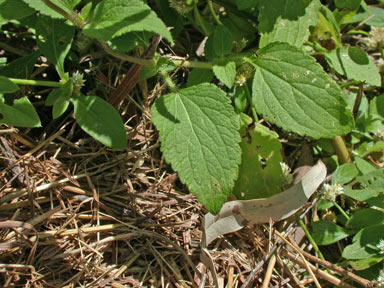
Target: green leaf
344 174
366 263
64 91
351 4
7 86
151 70
198 76
226 73
291 90
327 29
287 20
54 39
364 166
60 107
66 5
14 9
260 173
367 237
325 233
199 134
113 18
222 41
365 217
354 63
100 120
128 41
21 67
21 113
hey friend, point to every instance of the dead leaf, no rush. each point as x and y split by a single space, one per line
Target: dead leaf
234 215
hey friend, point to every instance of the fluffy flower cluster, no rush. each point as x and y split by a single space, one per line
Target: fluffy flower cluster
330 192
78 82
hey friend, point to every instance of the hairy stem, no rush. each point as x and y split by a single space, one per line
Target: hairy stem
341 150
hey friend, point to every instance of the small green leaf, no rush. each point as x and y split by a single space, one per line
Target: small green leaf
354 63
344 174
100 120
365 217
63 92
292 90
14 9
226 73
7 86
360 248
364 166
128 41
198 76
21 113
260 173
113 18
366 263
199 134
151 70
222 41
287 20
60 107
325 233
54 39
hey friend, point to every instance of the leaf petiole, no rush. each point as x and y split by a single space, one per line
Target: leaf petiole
36 82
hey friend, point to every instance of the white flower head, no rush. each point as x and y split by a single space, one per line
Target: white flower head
286 173
330 192
380 279
380 246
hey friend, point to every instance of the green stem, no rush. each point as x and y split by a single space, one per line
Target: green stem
341 150
73 17
341 210
169 81
250 101
36 82
309 236
210 5
200 21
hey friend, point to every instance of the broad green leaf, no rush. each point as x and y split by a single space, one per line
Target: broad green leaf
222 41
354 63
287 20
7 86
21 113
199 137
360 248
54 39
21 67
292 90
226 73
100 120
260 173
325 233
66 5
365 217
246 4
344 174
351 4
113 18
198 76
14 9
